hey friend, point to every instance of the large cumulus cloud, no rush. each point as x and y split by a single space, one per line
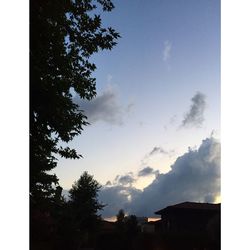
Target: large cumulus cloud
116 198
195 176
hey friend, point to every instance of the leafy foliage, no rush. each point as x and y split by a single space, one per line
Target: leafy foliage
63 36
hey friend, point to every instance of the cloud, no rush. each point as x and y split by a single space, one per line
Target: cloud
65 194
106 107
157 150
130 107
166 50
116 198
108 183
194 117
147 171
172 120
195 176
127 179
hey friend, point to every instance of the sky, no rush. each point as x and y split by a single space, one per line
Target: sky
154 138
234 133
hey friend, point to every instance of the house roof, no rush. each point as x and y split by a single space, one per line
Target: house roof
190 205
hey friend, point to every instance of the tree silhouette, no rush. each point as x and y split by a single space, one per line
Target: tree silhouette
84 201
70 224
120 219
63 36
120 216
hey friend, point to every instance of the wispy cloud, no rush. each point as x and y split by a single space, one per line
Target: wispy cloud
155 152
167 50
195 116
172 120
105 107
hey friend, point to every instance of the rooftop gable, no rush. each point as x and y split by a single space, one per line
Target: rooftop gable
190 205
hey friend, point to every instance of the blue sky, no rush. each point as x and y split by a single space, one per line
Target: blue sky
235 123
168 53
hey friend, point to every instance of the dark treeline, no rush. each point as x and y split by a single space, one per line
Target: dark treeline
71 224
